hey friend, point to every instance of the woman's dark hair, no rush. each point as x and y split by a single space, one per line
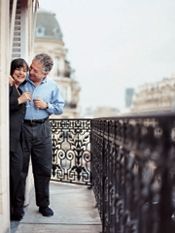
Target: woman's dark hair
18 63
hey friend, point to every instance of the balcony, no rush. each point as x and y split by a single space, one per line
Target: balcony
74 212
124 165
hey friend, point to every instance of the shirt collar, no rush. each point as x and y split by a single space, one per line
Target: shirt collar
43 81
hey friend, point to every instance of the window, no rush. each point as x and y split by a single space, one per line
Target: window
40 31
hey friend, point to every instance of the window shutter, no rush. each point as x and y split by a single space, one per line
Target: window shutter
16 47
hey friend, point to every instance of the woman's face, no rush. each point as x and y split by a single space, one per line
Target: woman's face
19 75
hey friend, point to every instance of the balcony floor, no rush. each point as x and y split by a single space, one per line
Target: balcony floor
74 211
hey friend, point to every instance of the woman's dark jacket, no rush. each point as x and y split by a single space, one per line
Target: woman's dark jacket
17 112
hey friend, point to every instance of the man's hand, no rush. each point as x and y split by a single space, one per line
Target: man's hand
40 104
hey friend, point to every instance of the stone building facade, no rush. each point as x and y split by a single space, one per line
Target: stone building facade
157 96
49 38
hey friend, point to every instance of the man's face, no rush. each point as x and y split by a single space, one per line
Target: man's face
36 71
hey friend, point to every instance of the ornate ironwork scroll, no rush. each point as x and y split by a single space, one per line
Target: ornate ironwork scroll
71 150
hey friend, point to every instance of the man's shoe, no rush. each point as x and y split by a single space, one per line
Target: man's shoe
46 211
17 214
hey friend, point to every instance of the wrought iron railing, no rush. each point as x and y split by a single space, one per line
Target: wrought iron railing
130 162
71 150
133 173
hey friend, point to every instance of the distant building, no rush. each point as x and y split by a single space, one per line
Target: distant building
102 111
158 96
129 93
49 39
106 112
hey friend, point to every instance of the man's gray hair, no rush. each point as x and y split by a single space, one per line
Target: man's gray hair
45 60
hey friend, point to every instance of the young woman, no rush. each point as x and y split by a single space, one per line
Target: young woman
17 100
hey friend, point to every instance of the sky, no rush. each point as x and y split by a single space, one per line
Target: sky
116 44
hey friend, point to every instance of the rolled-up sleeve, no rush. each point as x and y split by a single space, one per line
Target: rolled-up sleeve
56 104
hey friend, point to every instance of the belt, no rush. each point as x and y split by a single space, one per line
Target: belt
35 122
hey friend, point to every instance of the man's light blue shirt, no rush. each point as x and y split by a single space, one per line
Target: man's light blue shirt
47 91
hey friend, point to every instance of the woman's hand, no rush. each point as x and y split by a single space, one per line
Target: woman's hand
26 96
11 81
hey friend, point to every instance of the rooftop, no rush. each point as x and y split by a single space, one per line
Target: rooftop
47 26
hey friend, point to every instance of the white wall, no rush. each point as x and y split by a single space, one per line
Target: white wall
4 114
